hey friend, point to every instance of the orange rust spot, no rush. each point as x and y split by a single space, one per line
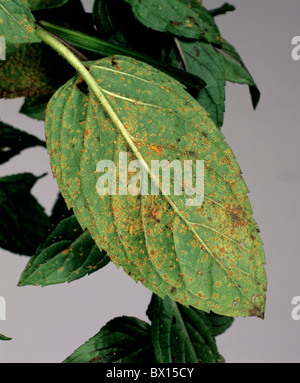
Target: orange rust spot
157 149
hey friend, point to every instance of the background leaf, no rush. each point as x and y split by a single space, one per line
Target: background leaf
121 340
235 70
35 107
13 141
184 18
219 323
203 60
210 257
222 9
66 255
102 17
43 4
17 22
3 337
59 211
103 48
23 221
181 334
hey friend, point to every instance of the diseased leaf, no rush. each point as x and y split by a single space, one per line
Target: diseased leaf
23 221
235 70
202 60
17 22
30 71
121 340
210 255
21 73
66 255
186 18
44 4
3 337
13 141
181 334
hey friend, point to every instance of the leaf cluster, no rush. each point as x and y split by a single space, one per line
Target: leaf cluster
173 44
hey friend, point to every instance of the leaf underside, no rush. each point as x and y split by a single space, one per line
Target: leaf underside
17 22
30 71
207 256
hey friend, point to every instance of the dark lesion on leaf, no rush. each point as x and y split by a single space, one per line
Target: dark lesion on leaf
114 62
173 290
194 21
176 22
95 359
237 217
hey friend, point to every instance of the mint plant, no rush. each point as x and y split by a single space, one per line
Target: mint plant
146 78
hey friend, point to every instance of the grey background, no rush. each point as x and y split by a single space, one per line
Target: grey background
48 323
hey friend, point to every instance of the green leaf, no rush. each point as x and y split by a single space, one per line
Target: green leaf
44 4
124 29
35 107
102 18
235 70
17 22
66 255
121 340
203 60
222 9
3 337
219 323
181 334
13 141
208 256
23 221
183 18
